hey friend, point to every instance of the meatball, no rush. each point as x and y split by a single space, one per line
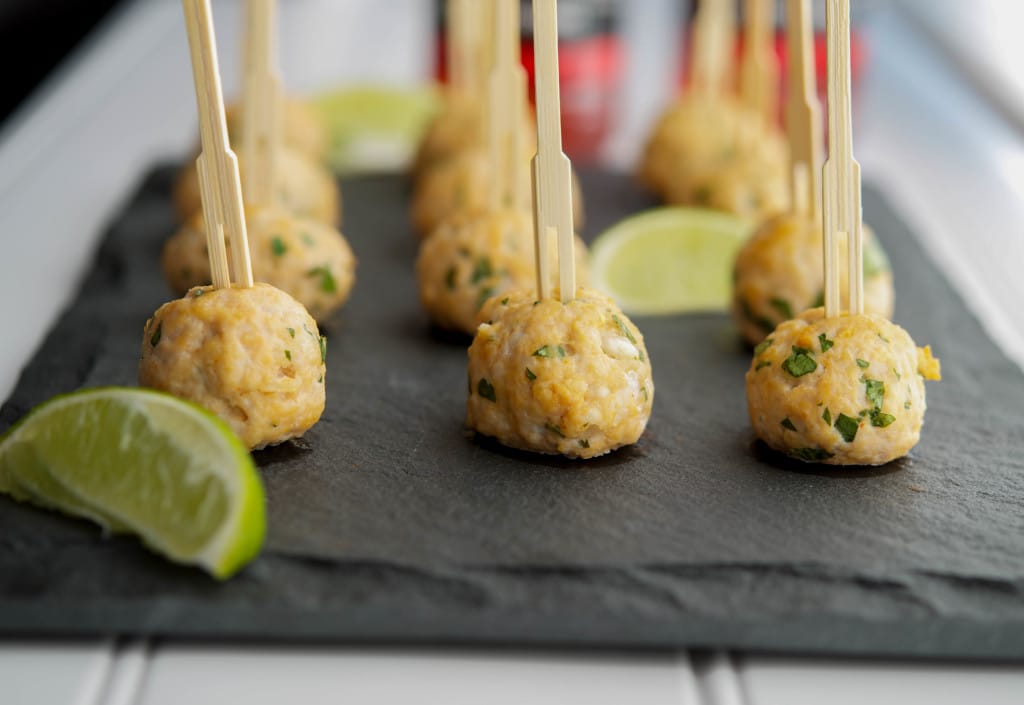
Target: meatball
253 356
562 378
304 187
847 390
308 259
717 154
304 129
779 273
472 257
463 184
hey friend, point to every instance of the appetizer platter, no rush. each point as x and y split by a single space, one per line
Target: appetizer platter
422 509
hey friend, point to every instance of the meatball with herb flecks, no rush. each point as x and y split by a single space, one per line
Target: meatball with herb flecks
846 390
252 356
561 378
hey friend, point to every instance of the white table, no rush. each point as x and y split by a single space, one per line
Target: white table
69 160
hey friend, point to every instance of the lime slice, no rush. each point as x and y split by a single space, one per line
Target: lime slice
669 260
139 461
374 128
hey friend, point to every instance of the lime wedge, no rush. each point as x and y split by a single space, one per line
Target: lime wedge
669 260
139 461
374 128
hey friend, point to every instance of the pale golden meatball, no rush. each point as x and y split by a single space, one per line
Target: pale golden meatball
779 273
571 379
304 129
718 155
847 390
463 184
306 258
305 188
472 257
252 356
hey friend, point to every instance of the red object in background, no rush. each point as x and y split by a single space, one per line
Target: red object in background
589 71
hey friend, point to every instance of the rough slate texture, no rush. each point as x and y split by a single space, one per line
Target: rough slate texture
388 523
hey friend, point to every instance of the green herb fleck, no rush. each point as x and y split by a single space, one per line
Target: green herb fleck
482 270
702 195
762 364
485 293
155 338
327 283
759 321
624 329
897 373
825 343
881 419
875 389
827 416
321 380
307 239
504 301
783 307
529 374
277 246
863 364
762 346
288 354
875 259
291 332
906 404
554 429
323 350
819 300
549 351
847 427
884 339
786 423
199 292
800 362
486 390
810 455
584 443
449 279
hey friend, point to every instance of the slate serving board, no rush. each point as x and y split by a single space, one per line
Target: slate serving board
388 523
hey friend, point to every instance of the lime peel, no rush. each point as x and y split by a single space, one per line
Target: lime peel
140 461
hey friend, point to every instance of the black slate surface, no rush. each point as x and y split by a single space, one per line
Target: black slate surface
387 523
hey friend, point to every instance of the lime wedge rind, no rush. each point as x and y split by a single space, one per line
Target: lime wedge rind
46 460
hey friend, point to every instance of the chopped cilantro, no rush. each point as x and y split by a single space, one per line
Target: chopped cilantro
819 300
529 374
809 455
549 351
897 373
449 278
486 390
762 346
881 419
875 389
485 293
884 339
504 301
825 342
323 349
327 283
155 338
906 404
800 362
584 443
643 390
783 307
827 416
291 332
625 330
786 423
277 246
554 429
321 380
482 270
762 364
288 354
863 364
847 427
759 321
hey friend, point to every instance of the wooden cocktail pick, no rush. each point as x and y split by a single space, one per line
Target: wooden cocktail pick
803 112
261 102
218 168
841 190
759 71
552 172
713 34
506 103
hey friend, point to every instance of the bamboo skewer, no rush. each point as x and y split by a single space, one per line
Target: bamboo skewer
261 102
759 70
506 100
220 189
552 172
841 200
803 112
714 28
